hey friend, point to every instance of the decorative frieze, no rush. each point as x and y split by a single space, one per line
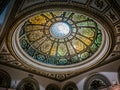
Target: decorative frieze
118 39
112 16
117 48
28 3
99 4
117 27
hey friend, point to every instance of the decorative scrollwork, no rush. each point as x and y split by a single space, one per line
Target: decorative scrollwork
99 4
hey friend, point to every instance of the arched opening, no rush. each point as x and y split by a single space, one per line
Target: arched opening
96 82
28 84
52 87
5 79
70 86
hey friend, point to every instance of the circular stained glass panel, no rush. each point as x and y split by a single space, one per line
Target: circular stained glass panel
60 30
60 37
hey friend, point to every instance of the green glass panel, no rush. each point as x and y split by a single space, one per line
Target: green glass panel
79 17
85 55
75 59
82 24
61 40
59 19
85 40
70 22
70 37
48 15
45 47
99 39
71 50
68 14
99 27
74 30
62 50
88 32
52 38
78 45
58 13
62 61
91 23
53 50
93 48
79 57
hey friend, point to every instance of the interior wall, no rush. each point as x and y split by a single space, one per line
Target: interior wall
18 75
109 71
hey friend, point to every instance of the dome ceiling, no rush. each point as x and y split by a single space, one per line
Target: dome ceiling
60 40
60 37
54 39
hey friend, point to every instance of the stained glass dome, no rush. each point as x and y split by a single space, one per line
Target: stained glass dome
60 37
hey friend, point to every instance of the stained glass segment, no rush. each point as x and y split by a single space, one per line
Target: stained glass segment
60 37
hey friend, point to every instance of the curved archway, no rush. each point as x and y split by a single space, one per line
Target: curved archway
28 84
119 74
96 82
5 79
70 86
52 87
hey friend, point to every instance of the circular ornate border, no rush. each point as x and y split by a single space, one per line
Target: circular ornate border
101 53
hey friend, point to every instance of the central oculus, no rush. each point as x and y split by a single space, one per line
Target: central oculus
60 30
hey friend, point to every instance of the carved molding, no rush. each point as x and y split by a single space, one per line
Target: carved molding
112 15
99 5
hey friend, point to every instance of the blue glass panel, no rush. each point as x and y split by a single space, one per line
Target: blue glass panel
31 51
51 60
62 61
22 31
75 59
39 57
24 44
